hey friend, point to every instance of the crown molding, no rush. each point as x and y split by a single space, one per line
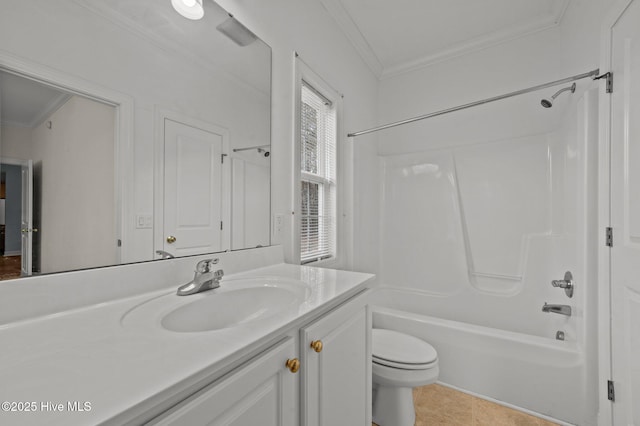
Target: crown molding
54 105
47 111
477 44
560 9
345 22
348 26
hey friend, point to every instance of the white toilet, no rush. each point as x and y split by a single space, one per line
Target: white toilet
400 363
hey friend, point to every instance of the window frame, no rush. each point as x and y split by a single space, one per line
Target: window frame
303 72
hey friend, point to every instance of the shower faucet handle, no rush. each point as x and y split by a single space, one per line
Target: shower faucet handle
566 283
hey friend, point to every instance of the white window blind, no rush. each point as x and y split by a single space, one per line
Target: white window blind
318 176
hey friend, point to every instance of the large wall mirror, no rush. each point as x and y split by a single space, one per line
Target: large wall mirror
129 133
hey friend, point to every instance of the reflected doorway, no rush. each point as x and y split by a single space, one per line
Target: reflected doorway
58 159
16 218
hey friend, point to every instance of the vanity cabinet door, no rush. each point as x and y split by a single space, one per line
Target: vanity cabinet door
262 392
336 367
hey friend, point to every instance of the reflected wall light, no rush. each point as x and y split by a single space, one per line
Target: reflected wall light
191 9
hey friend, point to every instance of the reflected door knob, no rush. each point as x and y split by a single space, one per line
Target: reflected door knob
171 239
316 345
293 365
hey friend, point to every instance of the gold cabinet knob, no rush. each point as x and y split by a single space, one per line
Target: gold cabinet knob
316 345
171 239
293 365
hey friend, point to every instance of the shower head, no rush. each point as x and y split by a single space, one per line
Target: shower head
548 103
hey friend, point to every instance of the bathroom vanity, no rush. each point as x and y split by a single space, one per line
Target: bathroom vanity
314 367
275 345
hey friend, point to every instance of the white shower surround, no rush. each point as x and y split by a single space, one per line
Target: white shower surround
472 235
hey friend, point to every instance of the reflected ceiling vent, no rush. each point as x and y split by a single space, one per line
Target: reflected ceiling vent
190 9
237 32
548 103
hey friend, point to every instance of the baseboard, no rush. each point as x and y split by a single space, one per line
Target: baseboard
506 404
12 253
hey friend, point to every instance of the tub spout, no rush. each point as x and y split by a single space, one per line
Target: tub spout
557 309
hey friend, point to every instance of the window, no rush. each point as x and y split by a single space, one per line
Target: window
317 175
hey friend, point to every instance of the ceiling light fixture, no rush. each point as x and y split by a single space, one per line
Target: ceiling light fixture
191 9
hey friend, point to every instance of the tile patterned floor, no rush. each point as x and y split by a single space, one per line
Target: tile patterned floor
438 405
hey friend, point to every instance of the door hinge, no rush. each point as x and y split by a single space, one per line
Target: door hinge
221 225
609 237
222 158
609 77
611 394
119 243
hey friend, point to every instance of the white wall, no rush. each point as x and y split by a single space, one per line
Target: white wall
570 48
580 34
77 211
305 27
497 70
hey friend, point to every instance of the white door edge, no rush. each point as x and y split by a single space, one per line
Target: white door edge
605 355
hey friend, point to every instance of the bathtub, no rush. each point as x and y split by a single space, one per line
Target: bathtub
542 376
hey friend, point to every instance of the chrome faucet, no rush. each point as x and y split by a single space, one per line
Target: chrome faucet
164 254
557 309
204 278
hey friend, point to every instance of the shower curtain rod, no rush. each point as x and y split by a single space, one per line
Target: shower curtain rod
251 147
592 74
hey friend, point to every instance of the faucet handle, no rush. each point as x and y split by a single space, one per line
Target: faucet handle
217 275
204 266
566 284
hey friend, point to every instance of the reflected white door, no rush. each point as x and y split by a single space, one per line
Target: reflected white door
625 216
26 221
193 190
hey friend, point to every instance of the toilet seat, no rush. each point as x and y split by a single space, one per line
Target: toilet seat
398 350
402 366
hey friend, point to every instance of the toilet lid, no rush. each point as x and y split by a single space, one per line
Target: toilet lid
400 350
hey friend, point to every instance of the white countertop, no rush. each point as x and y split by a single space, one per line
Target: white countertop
91 355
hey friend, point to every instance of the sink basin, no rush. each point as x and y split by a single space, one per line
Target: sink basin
235 303
229 309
